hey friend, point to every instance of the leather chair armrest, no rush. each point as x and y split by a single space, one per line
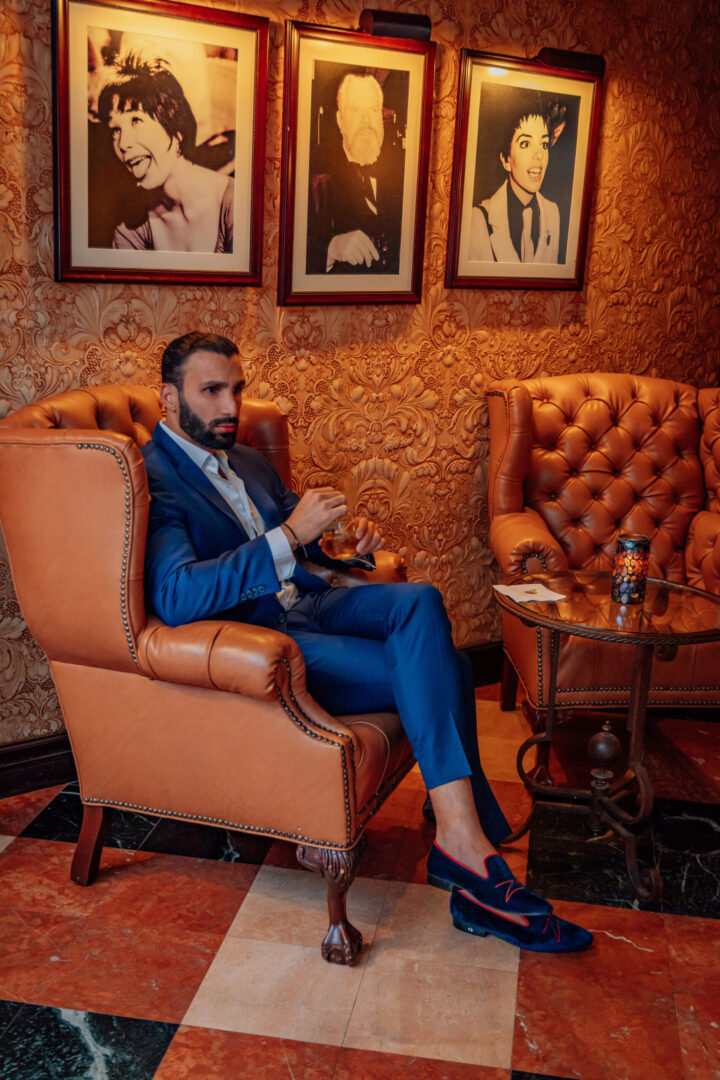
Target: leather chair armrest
702 552
238 658
217 655
523 544
389 567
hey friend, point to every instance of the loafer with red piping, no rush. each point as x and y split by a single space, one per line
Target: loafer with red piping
536 933
500 889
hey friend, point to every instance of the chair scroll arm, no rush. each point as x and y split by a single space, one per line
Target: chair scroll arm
220 655
522 543
389 567
702 552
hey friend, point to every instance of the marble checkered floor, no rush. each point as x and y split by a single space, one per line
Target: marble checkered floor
195 955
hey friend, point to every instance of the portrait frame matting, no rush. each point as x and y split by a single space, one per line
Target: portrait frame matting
486 221
219 59
319 200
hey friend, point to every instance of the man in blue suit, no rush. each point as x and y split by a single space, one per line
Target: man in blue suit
222 539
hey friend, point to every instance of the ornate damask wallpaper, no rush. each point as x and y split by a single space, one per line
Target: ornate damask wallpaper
390 398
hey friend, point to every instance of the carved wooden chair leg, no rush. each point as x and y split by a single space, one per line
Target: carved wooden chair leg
343 941
509 685
94 829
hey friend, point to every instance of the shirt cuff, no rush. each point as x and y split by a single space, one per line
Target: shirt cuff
282 553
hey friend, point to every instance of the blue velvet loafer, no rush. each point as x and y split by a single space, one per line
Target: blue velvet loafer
500 889
537 933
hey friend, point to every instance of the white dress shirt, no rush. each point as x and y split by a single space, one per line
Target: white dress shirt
232 489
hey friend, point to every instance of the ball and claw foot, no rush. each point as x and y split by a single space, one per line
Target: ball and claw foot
342 944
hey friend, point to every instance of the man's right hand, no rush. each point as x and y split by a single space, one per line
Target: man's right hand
317 510
352 247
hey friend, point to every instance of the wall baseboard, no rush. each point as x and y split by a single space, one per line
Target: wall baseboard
44 762
36 763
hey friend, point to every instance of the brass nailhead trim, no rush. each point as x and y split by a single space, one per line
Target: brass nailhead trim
540 667
532 555
313 734
126 544
214 821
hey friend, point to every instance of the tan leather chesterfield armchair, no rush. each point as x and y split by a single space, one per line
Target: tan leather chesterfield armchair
208 722
576 459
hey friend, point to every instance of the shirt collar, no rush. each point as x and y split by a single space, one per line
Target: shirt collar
203 458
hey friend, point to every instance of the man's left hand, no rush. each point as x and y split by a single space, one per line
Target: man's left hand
368 536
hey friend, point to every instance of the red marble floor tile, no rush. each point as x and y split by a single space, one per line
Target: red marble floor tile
133 889
601 1014
18 811
694 952
203 1053
282 854
76 963
699 1024
371 1065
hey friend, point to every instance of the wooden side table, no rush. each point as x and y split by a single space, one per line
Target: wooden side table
670 617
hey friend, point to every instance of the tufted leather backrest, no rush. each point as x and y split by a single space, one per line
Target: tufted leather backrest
597 454
709 408
74 506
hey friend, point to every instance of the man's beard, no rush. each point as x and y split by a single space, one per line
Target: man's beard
204 434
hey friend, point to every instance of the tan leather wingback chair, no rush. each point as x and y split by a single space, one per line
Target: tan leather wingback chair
576 459
208 722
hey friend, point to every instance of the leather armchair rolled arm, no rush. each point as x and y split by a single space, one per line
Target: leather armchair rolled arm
522 543
702 552
239 658
389 567
217 655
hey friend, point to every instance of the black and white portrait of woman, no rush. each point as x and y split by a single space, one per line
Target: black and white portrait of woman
521 186
522 189
153 185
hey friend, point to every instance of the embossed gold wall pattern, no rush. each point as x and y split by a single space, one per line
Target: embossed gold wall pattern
392 397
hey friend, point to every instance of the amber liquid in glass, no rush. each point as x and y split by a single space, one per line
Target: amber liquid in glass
339 545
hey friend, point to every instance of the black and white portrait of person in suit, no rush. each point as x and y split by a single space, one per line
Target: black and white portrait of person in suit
357 167
523 177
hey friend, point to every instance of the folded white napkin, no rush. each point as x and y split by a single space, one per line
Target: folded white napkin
523 593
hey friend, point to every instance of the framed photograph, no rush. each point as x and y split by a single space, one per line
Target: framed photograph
522 173
159 142
356 144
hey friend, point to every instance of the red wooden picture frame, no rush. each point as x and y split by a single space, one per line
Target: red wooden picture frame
352 224
131 201
501 166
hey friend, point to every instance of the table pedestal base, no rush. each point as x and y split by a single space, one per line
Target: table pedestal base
600 803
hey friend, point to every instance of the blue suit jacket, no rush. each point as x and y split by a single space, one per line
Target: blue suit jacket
200 563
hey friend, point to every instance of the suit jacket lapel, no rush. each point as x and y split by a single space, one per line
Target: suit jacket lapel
193 475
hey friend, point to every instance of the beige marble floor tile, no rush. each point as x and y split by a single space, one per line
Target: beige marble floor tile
498 757
415 926
493 721
428 1009
278 990
4 841
291 906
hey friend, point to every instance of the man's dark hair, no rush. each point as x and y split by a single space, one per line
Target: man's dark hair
151 87
178 351
519 107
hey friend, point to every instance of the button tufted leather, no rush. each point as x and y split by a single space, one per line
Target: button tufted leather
633 448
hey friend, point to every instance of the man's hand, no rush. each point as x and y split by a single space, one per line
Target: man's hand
352 247
316 511
368 536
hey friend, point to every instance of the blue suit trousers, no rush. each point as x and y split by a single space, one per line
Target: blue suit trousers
378 648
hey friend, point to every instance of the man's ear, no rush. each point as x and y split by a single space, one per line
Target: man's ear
169 397
337 119
505 163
